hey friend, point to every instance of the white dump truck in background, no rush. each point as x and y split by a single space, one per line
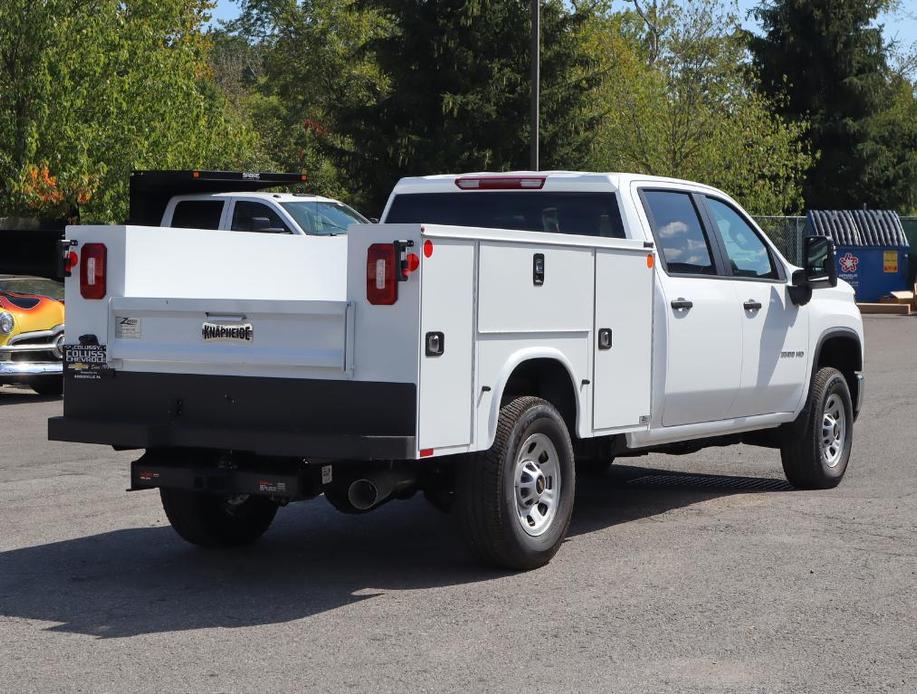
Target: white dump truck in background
497 332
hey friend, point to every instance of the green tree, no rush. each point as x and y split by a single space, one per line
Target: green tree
825 61
679 104
103 88
456 92
310 65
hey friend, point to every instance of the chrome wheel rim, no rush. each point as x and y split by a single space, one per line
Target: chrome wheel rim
536 481
833 431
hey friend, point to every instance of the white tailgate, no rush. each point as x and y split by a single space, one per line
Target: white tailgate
296 338
622 372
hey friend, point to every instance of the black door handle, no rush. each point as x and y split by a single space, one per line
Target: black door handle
681 304
752 305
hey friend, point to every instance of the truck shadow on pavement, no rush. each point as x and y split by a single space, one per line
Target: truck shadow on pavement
15 395
146 580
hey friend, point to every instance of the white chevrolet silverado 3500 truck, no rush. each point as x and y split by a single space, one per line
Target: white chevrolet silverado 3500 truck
496 331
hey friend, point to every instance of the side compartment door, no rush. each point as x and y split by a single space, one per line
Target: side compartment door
446 323
622 365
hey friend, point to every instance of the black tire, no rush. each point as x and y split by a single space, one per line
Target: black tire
486 496
213 520
48 386
802 447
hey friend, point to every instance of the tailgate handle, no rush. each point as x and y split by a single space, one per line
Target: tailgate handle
226 316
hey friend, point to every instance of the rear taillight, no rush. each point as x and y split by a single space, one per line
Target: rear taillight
93 271
382 266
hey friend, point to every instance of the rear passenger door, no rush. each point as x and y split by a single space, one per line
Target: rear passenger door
702 329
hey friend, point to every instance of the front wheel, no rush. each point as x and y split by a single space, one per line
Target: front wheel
515 500
815 449
213 520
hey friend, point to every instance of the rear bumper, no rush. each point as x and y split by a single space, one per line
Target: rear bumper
269 416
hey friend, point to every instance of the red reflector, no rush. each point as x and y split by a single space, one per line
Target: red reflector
195 174
428 248
381 281
426 452
411 263
501 183
93 271
71 260
303 177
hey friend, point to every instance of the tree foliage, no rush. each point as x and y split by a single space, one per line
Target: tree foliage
358 93
826 61
679 104
89 91
455 92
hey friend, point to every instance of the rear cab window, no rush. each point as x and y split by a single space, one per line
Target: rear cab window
197 214
588 214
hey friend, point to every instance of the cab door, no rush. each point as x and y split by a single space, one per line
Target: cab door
774 330
702 329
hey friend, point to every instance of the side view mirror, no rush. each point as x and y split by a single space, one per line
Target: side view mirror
819 269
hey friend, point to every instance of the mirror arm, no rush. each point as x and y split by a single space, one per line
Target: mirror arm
800 289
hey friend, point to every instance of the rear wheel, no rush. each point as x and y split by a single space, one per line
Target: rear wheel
815 449
515 500
48 385
213 520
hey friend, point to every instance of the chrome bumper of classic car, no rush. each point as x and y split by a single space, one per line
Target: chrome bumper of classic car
36 353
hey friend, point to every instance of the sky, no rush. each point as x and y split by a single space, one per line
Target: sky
900 26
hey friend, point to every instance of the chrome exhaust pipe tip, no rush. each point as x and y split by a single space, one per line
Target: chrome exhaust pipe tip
363 494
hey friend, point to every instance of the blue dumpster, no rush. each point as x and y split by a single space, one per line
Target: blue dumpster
871 249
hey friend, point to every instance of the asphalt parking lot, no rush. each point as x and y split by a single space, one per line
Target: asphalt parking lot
691 573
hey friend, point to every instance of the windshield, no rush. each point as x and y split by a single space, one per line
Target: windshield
33 285
590 214
321 218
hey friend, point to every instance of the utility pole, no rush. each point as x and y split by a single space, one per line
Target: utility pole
536 80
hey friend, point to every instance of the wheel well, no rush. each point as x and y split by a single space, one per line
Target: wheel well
547 379
843 353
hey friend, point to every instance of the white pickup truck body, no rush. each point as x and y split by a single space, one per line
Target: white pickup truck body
244 344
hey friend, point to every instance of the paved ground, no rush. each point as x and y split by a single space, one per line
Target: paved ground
693 573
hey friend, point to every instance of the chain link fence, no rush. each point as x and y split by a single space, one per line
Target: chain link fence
786 233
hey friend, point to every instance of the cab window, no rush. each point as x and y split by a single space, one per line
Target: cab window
678 231
197 214
257 217
747 253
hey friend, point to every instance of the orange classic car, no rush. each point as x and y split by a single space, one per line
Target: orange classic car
32 333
